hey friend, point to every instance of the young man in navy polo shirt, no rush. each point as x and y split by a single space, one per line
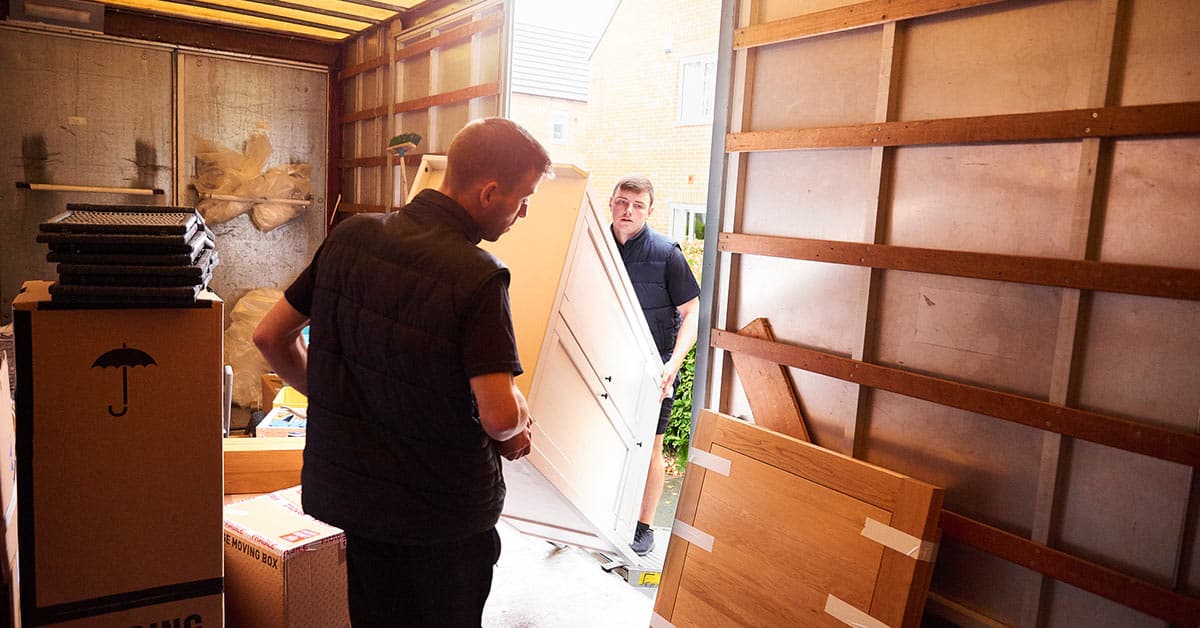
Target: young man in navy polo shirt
670 299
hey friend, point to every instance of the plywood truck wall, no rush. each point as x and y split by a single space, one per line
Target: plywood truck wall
973 228
429 78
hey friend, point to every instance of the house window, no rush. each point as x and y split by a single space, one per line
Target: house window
697 89
687 222
558 127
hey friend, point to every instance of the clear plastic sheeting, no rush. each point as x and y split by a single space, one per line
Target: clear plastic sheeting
240 353
233 183
289 181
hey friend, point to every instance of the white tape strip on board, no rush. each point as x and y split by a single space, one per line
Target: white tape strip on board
658 621
712 462
849 615
902 542
703 540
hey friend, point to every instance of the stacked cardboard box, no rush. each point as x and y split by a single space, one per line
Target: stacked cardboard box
283 569
118 443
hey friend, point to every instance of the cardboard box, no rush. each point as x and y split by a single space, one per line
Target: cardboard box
283 569
8 499
271 385
283 421
119 485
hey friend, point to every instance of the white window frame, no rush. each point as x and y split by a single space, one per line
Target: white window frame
708 97
682 231
559 117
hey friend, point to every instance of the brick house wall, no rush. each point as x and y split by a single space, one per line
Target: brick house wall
537 114
633 106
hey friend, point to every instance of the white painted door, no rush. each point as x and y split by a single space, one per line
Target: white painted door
594 367
594 398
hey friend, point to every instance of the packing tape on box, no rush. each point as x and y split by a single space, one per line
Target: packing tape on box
703 540
658 621
712 462
902 542
849 615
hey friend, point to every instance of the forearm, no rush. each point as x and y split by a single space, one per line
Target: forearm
503 412
290 362
686 338
278 339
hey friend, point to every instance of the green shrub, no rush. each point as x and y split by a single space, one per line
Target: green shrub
679 429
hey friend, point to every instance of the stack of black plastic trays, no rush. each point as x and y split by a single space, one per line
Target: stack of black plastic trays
129 255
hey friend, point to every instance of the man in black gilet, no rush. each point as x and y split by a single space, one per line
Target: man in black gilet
409 374
670 299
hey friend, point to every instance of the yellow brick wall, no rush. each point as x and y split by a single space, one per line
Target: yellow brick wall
633 101
536 114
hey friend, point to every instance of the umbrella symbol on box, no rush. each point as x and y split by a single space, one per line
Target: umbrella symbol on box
125 358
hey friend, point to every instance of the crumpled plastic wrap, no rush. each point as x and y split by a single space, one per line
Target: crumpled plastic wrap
227 172
240 353
287 181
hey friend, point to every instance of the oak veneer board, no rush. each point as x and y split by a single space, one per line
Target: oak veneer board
768 388
787 535
262 465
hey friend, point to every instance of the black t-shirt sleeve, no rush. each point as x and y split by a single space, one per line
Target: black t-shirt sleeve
681 283
489 344
300 294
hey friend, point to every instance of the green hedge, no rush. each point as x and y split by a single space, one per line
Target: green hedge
679 429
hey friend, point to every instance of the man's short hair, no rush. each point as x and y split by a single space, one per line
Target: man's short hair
496 149
635 184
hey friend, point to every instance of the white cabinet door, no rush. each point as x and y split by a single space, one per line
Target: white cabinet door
605 330
594 399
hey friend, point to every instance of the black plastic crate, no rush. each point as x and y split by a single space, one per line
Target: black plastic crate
122 222
124 295
157 255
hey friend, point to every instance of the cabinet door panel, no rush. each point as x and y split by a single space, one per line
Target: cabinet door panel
603 328
576 436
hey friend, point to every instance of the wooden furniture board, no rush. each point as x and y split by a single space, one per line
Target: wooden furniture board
787 532
768 387
262 465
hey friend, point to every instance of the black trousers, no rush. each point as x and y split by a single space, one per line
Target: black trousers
392 586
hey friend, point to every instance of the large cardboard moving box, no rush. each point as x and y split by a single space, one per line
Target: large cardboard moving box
283 569
119 463
8 498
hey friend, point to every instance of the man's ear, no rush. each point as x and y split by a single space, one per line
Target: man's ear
487 193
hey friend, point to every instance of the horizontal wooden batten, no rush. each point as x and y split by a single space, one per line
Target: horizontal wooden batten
1163 443
363 162
366 114
1154 600
452 36
1141 120
445 98
1153 281
412 159
365 66
872 13
125 23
